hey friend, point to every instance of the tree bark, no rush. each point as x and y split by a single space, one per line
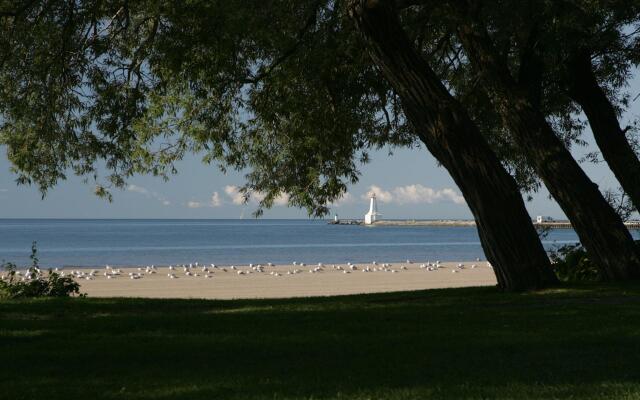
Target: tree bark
610 138
506 232
600 229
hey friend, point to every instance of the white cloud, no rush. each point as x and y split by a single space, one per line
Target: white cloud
414 194
346 198
137 189
237 197
4 190
216 201
418 194
256 197
452 195
234 193
148 193
382 195
281 200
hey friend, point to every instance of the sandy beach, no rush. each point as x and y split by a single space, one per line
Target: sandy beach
280 281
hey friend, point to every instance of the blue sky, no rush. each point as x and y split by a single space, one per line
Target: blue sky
409 184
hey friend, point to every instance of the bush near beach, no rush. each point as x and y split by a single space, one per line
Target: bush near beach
571 263
35 283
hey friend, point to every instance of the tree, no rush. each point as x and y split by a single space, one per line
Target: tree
609 135
600 229
601 47
453 138
283 90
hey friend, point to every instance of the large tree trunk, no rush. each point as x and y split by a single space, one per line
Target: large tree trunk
616 150
505 228
600 229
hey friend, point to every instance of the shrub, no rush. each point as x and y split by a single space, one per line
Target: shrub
571 264
35 283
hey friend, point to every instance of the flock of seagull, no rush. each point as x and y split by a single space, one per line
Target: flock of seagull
196 270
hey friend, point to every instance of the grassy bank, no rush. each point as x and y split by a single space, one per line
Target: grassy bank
579 342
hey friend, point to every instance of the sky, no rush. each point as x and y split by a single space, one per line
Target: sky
408 184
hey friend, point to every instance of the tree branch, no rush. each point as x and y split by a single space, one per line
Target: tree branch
289 52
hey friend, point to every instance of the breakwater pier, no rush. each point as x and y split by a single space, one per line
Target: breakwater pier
560 224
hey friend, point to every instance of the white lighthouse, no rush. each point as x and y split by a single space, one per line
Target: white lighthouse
373 214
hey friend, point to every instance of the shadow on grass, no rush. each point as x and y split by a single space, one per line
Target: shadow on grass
580 341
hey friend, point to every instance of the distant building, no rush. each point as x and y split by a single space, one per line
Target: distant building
540 219
373 214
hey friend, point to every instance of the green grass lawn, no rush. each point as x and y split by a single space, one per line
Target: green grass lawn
576 342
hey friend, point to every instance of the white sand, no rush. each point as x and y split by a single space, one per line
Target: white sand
328 282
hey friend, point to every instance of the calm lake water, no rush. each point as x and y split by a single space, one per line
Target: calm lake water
141 242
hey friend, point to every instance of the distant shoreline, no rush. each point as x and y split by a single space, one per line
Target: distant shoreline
559 224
